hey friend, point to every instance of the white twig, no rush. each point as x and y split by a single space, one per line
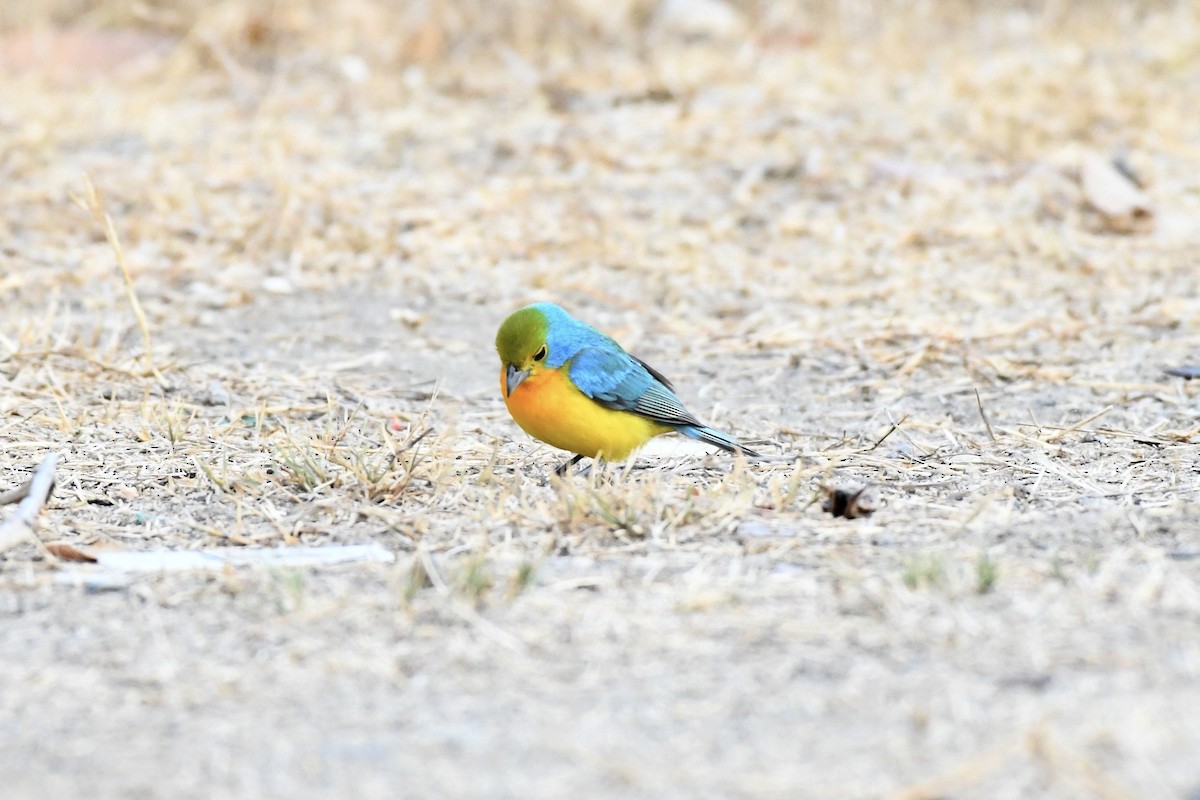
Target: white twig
19 526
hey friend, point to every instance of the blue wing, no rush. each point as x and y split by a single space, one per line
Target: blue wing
618 380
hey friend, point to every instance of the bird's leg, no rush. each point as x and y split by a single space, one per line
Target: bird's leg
566 465
597 464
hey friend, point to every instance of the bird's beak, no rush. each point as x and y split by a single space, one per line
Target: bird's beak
513 378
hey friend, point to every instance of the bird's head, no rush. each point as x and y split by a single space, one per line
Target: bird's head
541 337
523 343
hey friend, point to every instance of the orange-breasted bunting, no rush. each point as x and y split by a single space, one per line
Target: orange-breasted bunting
574 388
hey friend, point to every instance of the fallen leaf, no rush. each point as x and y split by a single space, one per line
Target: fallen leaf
69 552
851 503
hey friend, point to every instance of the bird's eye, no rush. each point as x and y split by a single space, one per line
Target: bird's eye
540 354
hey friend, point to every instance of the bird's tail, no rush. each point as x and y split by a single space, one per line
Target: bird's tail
724 441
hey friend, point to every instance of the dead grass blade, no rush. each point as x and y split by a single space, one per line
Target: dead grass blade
92 203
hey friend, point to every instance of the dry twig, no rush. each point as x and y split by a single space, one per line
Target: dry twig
20 525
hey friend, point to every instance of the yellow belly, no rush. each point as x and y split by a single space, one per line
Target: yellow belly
549 407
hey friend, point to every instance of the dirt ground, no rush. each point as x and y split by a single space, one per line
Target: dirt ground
884 245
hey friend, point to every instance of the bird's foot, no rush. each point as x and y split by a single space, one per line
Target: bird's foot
566 465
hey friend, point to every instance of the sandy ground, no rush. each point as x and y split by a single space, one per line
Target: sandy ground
886 246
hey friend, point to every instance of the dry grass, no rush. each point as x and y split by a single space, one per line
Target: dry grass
252 257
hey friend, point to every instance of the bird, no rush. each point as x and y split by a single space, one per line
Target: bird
574 388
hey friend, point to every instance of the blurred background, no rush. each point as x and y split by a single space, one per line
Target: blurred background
750 172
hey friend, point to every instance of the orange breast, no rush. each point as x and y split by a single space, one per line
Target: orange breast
549 407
